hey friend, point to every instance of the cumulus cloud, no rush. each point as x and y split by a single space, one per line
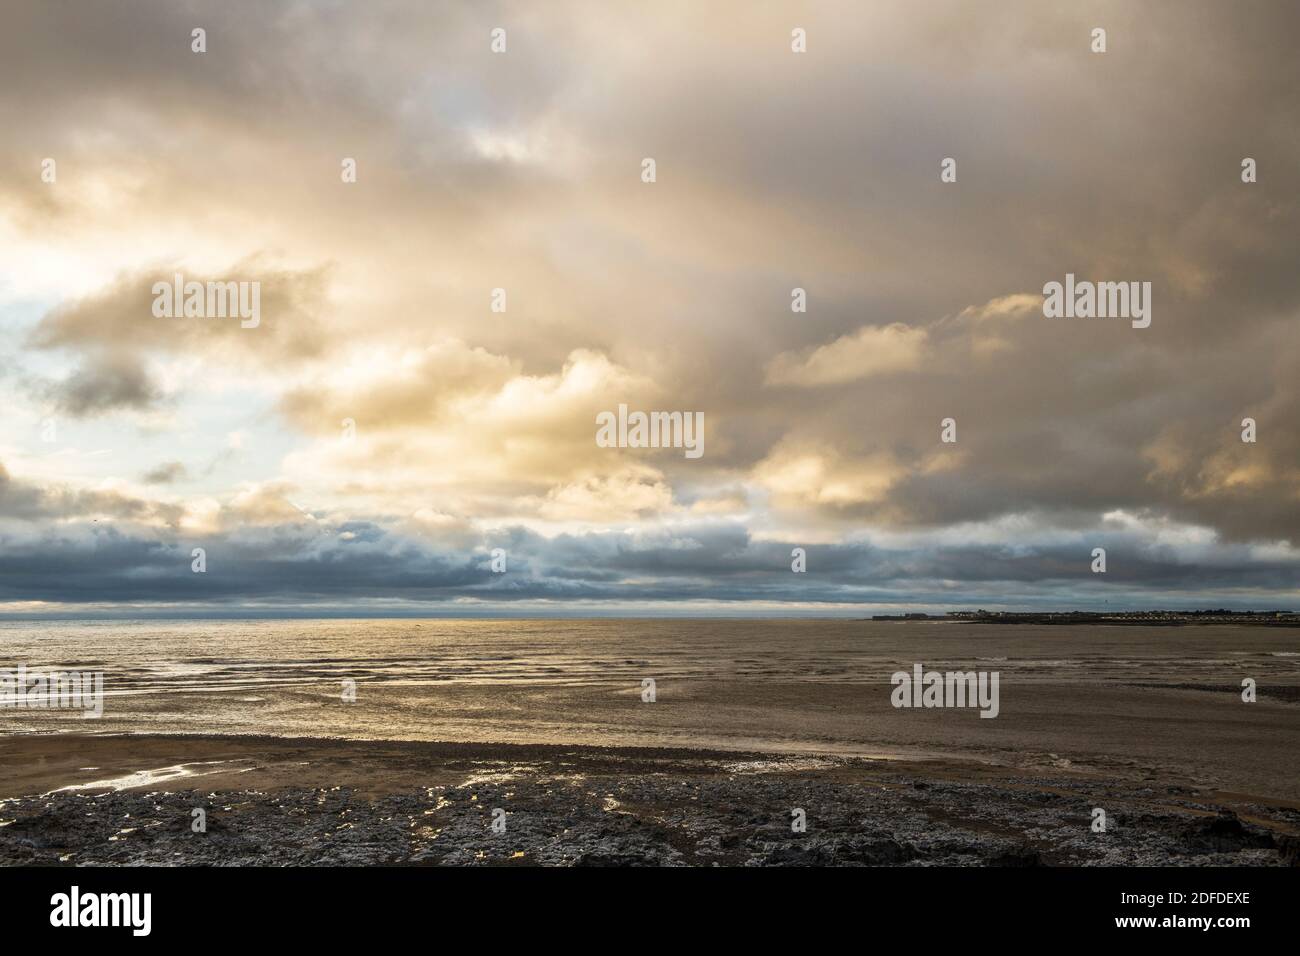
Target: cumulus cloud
121 315
871 350
823 476
105 382
45 503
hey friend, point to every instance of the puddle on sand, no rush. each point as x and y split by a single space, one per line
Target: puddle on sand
501 774
144 778
782 763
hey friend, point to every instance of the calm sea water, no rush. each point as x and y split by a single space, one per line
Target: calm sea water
575 680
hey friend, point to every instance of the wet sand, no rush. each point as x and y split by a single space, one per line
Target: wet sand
1205 738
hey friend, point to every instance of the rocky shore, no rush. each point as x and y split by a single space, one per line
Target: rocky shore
270 803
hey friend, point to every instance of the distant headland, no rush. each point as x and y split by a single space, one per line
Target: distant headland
1147 618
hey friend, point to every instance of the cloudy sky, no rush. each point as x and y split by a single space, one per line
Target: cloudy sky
129 440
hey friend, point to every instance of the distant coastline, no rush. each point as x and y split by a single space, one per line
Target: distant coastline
1143 618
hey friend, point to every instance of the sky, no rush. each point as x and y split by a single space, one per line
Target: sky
366 447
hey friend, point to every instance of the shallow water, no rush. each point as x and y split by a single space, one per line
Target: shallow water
440 678
191 656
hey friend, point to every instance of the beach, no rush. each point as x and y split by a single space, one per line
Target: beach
747 723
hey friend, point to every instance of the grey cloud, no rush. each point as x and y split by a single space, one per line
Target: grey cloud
165 473
120 317
105 382
26 501
304 566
